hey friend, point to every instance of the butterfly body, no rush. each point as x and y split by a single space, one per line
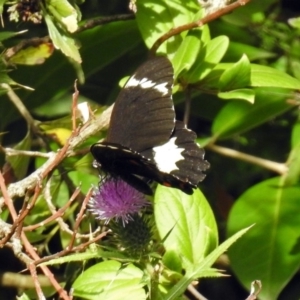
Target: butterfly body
144 141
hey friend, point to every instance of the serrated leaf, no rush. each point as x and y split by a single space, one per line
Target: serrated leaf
237 76
241 94
187 224
270 251
61 41
108 280
204 268
239 116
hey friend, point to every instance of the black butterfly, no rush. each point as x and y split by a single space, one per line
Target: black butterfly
144 140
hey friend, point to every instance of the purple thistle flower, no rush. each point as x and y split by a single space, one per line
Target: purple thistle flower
115 198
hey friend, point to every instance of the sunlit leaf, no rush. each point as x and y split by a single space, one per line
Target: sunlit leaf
270 251
66 44
185 223
110 281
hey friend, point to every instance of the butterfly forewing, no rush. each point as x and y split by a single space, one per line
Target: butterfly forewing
144 142
143 115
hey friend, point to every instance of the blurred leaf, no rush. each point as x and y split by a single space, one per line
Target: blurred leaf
19 163
270 251
101 46
32 55
64 12
186 223
293 162
60 134
294 22
166 15
5 35
237 76
243 94
23 297
236 50
110 281
66 44
239 116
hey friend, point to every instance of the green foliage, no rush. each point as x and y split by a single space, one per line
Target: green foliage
240 71
273 243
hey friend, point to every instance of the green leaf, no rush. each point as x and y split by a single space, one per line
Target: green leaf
266 76
61 41
239 116
236 50
2 2
204 268
32 55
185 223
102 46
73 257
261 76
166 15
23 297
270 251
237 76
110 281
172 260
5 35
210 55
19 163
65 13
187 52
293 175
294 22
243 94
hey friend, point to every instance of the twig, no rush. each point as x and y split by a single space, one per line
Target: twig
80 217
254 293
21 281
18 189
187 109
215 15
74 105
56 215
280 168
14 152
75 249
20 106
195 293
29 248
104 20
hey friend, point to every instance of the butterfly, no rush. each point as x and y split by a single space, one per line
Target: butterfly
145 142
